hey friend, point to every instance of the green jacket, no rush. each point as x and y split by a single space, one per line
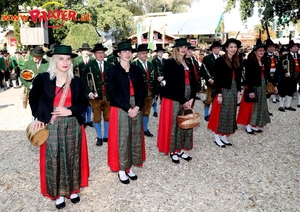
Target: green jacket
30 64
112 59
94 69
159 65
78 64
2 64
209 63
20 61
153 77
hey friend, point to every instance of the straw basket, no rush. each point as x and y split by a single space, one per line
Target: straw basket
188 119
36 137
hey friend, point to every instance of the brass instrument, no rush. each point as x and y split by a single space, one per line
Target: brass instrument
91 82
286 66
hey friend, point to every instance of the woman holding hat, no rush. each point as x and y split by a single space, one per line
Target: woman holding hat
178 94
227 82
255 114
57 100
126 144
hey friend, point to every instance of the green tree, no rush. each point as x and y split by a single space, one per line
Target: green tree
284 12
175 6
81 33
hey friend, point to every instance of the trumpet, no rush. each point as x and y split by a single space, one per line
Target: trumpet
25 97
91 83
286 66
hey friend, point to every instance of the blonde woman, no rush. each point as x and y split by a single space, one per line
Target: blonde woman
63 157
178 94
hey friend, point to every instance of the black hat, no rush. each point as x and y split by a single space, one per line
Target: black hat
85 46
142 47
99 47
52 46
37 52
63 50
125 45
189 46
231 40
258 44
269 42
283 49
180 42
292 43
4 51
159 48
215 44
17 51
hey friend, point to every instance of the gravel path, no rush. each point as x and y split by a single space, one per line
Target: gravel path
258 173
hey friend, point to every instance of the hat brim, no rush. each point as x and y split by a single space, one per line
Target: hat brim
37 55
143 50
73 55
102 49
89 49
237 42
115 52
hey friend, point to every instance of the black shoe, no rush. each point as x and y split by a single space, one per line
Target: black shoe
281 109
75 200
155 114
61 205
206 118
197 98
270 114
227 144
298 105
148 133
274 101
222 146
90 124
251 132
257 131
99 141
187 159
124 181
173 160
290 108
132 177
105 140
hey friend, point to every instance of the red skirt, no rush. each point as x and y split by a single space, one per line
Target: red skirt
165 126
113 141
85 170
245 112
214 116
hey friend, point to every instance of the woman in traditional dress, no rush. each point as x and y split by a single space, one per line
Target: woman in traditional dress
227 84
126 144
178 94
63 157
255 114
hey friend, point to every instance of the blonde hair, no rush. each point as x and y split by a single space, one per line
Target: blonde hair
53 71
176 55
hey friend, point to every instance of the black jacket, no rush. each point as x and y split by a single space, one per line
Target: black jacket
223 75
119 87
41 97
174 74
253 74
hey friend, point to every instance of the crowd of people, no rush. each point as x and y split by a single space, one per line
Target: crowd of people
69 92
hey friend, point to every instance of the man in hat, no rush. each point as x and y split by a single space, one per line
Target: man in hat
19 66
271 63
36 63
79 64
207 71
289 77
113 57
158 63
9 71
99 99
150 78
191 58
2 70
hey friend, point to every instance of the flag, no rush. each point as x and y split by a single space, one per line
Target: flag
139 33
150 37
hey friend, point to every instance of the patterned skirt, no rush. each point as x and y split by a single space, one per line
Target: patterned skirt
170 137
126 143
223 116
64 159
255 113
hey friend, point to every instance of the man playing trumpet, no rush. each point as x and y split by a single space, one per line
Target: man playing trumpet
95 77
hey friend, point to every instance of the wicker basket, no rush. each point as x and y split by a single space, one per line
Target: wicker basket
188 119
